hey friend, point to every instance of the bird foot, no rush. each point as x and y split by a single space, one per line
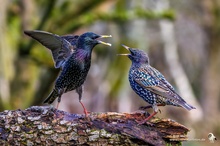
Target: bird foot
57 105
145 122
145 107
86 113
149 106
84 109
148 118
159 111
86 120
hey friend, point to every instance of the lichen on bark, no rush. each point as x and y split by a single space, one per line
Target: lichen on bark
44 125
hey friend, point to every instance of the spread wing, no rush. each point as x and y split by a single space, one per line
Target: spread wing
153 80
60 46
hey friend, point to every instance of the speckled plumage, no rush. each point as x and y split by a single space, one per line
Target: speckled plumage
150 84
73 55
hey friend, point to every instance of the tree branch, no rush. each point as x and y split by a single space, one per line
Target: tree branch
48 126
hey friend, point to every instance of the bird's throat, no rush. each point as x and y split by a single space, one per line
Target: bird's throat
81 54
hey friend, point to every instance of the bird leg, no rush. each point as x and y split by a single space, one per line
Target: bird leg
84 109
155 108
79 90
149 106
145 107
148 118
60 92
58 101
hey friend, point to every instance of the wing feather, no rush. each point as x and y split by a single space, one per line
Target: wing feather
153 80
61 46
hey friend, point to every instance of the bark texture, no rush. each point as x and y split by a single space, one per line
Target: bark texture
45 125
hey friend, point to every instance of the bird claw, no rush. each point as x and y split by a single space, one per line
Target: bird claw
148 118
86 120
140 122
159 111
84 109
86 113
145 122
149 106
145 107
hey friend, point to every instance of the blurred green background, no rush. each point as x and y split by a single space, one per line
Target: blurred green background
182 38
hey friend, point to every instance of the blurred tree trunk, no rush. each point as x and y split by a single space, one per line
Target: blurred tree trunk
48 126
28 81
6 58
175 67
211 80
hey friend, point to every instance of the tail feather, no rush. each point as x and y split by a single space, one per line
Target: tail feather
52 96
187 106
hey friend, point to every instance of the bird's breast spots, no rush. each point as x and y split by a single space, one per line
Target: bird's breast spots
132 71
143 93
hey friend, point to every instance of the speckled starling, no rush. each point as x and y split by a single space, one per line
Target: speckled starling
150 84
71 53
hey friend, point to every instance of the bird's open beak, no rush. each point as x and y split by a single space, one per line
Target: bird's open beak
104 36
126 47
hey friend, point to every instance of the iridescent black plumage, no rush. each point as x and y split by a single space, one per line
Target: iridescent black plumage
150 84
73 55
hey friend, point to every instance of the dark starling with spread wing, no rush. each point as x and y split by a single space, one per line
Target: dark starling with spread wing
150 84
73 55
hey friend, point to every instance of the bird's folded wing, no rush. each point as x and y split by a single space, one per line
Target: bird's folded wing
60 47
153 82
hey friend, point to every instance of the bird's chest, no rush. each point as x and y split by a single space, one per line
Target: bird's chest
77 68
74 73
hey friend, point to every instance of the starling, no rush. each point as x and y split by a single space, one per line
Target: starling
71 53
150 84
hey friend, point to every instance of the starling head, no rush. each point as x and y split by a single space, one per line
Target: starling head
89 40
136 56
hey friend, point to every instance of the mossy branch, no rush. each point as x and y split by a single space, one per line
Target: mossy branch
90 18
48 126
